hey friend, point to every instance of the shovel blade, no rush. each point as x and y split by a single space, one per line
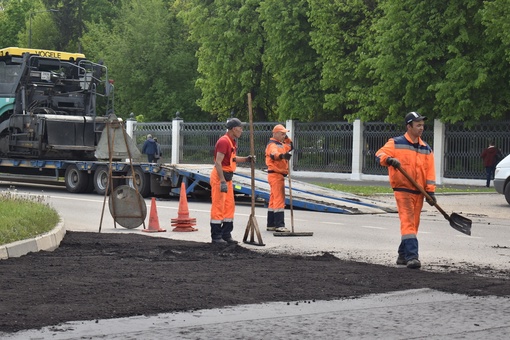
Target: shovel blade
285 233
460 223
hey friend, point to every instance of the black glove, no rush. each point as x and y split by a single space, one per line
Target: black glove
223 187
250 157
286 156
433 197
393 162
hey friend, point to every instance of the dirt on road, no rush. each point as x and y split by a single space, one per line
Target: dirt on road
97 276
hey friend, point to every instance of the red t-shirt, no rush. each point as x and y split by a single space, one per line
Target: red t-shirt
223 146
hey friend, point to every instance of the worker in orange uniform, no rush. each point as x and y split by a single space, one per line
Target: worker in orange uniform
277 160
222 191
417 158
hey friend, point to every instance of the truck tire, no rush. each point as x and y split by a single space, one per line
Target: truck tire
76 181
507 192
143 181
101 180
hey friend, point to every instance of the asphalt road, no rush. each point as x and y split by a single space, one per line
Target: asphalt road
368 238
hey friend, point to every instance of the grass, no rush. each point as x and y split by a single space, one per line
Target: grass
370 190
24 216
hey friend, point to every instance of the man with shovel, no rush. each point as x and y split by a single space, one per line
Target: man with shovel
277 160
415 157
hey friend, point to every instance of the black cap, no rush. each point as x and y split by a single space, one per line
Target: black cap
414 117
233 122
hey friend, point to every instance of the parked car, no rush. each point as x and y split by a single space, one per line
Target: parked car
502 178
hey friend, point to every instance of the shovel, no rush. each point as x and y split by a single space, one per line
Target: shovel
292 233
457 222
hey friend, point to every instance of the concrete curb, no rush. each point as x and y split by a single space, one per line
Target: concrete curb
48 241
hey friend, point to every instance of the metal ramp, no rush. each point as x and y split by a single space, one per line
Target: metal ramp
304 195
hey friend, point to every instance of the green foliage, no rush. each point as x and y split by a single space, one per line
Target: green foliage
231 41
291 60
153 65
340 29
320 60
24 216
14 13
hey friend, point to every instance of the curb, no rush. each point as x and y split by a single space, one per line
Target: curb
48 241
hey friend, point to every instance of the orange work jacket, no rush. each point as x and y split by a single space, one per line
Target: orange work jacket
273 151
416 159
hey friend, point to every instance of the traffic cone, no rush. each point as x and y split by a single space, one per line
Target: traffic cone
153 219
183 222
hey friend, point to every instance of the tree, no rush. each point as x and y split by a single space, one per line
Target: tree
153 65
231 42
291 60
340 28
432 57
14 13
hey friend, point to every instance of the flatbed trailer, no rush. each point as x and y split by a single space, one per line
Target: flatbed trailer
82 176
165 180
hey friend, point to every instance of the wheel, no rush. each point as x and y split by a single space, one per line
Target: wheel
76 180
101 180
142 179
507 192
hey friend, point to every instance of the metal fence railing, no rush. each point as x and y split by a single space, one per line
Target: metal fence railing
162 131
328 146
463 146
325 147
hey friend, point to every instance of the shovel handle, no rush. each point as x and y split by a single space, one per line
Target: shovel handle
420 188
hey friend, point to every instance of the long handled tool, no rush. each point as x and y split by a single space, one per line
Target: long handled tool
292 233
252 227
457 222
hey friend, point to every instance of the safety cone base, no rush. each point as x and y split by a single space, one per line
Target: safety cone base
184 229
159 230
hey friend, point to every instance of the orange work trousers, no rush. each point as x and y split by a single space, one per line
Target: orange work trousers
409 209
223 204
277 195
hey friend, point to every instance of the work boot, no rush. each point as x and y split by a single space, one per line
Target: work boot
401 260
226 230
413 264
216 233
230 240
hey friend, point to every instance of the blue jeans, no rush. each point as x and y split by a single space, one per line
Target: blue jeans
490 174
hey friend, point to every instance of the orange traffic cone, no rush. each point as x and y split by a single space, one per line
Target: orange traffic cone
183 222
153 219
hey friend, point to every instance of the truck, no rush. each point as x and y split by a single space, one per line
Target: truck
502 178
51 127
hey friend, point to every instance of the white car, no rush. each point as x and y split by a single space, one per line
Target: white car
502 178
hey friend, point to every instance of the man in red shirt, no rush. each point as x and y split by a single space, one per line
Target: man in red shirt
491 157
222 191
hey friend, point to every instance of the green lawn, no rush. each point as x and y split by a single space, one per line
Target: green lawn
23 217
370 190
